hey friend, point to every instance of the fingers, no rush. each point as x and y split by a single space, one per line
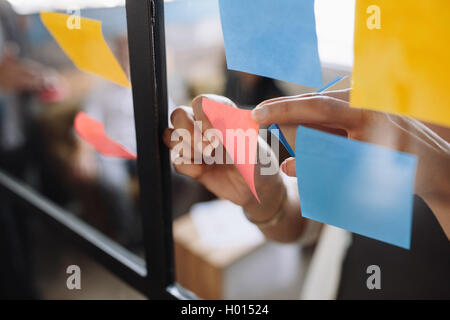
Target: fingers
288 167
182 134
186 140
183 118
343 94
182 164
193 171
199 115
314 110
186 118
167 138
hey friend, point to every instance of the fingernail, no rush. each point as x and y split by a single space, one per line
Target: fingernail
259 113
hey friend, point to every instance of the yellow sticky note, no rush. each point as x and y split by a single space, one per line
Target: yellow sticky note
402 58
85 46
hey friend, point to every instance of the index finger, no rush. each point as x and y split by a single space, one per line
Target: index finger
342 94
315 110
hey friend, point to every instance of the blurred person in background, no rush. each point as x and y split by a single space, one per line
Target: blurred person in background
19 78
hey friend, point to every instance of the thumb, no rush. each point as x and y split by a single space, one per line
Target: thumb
316 110
288 167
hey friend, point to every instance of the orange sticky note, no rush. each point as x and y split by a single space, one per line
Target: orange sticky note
85 46
402 58
93 132
224 117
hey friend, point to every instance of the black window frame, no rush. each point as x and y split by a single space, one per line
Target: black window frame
153 277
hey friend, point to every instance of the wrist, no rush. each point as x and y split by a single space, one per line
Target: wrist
272 196
435 181
274 219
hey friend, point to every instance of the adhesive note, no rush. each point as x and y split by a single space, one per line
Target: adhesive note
85 46
93 132
275 39
244 146
357 186
402 58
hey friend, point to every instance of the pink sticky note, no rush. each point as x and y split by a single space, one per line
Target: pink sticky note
93 132
224 117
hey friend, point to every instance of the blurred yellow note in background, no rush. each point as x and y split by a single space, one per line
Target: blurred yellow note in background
85 46
402 58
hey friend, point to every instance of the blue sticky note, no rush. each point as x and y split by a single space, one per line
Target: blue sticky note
357 186
275 39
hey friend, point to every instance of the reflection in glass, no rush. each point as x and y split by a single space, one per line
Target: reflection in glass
101 190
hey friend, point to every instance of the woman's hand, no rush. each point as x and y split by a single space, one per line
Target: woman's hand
331 111
225 181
